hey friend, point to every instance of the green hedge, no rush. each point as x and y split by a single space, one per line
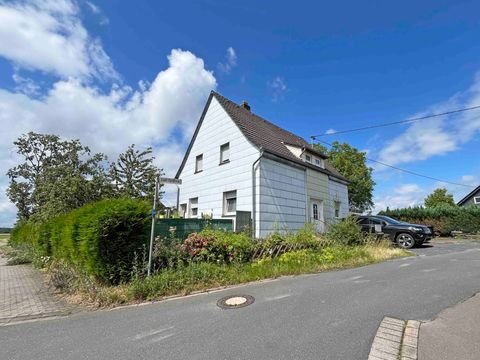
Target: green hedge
444 219
100 238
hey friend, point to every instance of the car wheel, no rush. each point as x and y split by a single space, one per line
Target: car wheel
405 240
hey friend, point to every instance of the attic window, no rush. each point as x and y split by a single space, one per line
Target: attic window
476 200
199 163
225 153
308 158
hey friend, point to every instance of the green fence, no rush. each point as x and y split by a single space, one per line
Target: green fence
181 228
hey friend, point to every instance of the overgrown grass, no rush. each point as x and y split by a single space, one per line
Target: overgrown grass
202 276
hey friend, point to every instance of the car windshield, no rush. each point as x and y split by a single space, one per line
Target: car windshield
390 220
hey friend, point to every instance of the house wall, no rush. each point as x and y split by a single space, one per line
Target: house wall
282 197
317 188
338 192
210 184
470 201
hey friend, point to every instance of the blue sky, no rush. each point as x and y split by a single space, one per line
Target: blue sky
115 73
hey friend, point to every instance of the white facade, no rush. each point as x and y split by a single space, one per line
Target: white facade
215 179
282 204
287 194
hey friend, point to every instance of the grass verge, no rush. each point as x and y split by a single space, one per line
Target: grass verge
203 276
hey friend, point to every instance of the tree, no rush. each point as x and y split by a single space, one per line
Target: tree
352 164
133 174
56 176
439 197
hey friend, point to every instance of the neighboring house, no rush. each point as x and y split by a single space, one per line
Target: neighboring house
471 199
237 161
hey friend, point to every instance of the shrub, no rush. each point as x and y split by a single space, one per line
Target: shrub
346 232
100 238
218 246
444 219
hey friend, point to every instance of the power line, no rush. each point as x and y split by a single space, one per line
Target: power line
313 137
410 172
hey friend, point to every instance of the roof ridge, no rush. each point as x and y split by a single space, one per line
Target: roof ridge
216 94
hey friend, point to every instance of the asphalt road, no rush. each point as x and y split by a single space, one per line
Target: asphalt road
325 316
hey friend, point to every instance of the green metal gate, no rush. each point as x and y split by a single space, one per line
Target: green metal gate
181 228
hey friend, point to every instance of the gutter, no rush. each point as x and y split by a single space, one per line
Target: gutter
254 195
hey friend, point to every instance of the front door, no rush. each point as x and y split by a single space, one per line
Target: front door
316 215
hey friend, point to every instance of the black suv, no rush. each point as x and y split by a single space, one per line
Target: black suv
404 234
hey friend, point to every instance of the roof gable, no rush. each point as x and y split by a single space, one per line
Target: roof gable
262 134
270 137
470 195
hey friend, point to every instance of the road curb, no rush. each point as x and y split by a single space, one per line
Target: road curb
395 339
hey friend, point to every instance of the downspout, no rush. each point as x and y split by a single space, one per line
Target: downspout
254 195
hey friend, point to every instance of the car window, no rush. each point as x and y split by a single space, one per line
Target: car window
362 221
376 221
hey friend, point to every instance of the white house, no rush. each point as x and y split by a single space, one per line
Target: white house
238 161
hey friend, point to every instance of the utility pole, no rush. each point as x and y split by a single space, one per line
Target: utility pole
152 233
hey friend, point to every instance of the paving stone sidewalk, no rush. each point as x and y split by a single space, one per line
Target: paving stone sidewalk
25 296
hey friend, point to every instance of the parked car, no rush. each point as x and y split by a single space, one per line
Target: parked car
403 234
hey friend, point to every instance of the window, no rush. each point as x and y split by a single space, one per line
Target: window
337 209
315 212
476 200
193 207
229 202
308 158
363 221
199 163
375 221
225 153
317 162
183 210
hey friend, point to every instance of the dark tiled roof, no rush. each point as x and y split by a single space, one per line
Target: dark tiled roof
270 137
471 194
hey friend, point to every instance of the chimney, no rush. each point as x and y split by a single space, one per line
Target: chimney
245 105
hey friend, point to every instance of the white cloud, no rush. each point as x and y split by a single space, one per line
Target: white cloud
437 136
230 61
109 122
277 87
404 195
25 85
49 36
95 9
330 131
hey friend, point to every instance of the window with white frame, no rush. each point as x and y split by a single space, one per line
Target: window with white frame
183 210
476 200
225 153
308 158
337 209
320 163
193 202
229 202
199 163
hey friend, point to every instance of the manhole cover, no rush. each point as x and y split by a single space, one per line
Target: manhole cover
235 301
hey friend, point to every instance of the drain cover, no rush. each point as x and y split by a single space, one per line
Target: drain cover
235 301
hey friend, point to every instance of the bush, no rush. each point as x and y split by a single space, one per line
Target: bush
218 246
100 238
346 232
444 219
